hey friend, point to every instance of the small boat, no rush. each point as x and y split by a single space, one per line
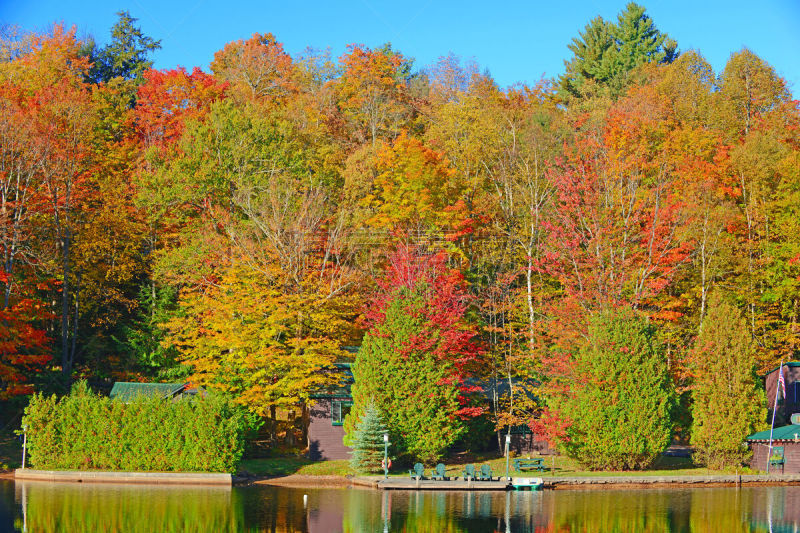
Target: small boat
527 483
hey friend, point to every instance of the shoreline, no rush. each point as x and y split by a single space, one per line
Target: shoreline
123 477
363 482
561 483
639 481
302 480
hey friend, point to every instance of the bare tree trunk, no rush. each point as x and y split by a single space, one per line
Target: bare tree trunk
66 353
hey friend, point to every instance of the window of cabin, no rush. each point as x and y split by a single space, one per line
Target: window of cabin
339 410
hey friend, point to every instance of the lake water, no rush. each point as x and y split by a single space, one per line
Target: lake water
73 508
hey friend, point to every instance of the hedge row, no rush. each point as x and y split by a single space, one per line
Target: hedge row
84 431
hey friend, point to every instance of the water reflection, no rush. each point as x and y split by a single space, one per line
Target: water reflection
47 507
57 507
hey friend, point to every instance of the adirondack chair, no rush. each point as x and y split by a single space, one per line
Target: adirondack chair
438 472
469 472
777 458
418 472
486 473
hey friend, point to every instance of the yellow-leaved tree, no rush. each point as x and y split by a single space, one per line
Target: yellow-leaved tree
250 339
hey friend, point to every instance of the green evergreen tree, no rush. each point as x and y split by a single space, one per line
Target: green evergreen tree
622 400
406 387
639 41
592 51
728 402
606 53
126 56
142 337
368 445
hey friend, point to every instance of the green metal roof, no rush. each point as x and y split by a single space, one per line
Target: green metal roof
127 391
340 389
781 433
792 364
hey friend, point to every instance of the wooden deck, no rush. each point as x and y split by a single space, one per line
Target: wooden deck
450 484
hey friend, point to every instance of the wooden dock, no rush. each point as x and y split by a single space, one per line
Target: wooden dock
449 484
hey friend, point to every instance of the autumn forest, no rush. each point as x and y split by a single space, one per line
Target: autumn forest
246 224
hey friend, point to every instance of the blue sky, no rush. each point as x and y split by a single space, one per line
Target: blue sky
515 41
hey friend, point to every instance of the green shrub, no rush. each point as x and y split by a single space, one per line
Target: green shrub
408 384
89 432
623 398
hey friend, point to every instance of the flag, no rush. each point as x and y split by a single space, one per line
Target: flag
781 381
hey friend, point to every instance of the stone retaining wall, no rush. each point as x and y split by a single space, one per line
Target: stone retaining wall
671 480
98 476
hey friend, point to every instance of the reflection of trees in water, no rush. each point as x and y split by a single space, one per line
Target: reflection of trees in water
111 508
699 510
361 512
612 511
56 507
774 509
267 508
426 511
8 512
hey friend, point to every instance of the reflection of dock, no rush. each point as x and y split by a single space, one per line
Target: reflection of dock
449 484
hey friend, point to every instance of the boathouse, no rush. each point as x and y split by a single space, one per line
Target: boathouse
786 434
786 437
326 418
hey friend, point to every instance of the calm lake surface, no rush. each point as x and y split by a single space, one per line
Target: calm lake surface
47 507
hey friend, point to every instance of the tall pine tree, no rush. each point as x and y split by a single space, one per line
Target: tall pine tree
728 403
606 53
415 356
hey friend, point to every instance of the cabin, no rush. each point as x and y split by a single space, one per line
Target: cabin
787 437
786 433
791 404
326 418
525 442
125 391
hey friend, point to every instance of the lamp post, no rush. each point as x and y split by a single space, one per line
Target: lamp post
385 456
508 444
24 443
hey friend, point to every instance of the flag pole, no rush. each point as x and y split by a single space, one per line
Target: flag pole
774 410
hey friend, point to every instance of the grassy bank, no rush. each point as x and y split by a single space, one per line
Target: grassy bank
286 466
556 466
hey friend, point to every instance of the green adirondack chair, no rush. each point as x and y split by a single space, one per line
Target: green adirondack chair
469 472
418 472
438 472
486 473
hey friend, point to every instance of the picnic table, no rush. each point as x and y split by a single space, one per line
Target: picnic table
521 464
